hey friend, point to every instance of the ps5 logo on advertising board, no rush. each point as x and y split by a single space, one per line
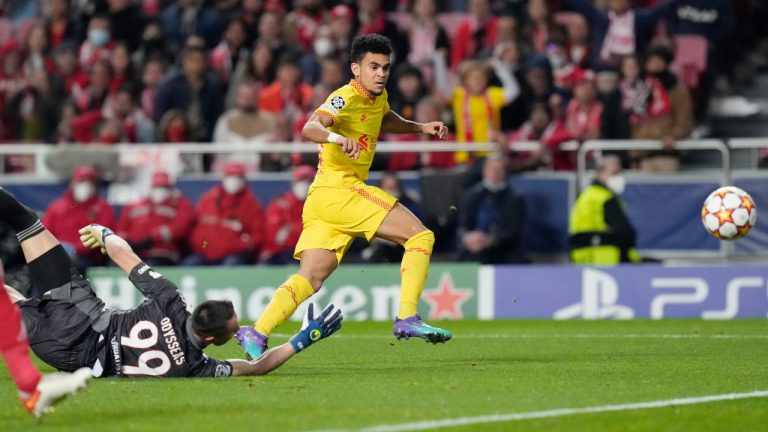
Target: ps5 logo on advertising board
600 297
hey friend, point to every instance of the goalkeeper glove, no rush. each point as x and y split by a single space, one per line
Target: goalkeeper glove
317 328
93 236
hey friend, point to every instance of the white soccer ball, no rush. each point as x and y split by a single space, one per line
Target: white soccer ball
729 213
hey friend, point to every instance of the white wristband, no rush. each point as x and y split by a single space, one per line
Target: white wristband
332 137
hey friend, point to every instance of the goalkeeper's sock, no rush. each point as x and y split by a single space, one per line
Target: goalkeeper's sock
414 271
14 347
284 303
22 219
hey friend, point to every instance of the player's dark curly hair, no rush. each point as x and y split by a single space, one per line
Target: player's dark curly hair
210 318
369 43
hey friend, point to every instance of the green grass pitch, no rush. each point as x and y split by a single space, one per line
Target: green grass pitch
362 378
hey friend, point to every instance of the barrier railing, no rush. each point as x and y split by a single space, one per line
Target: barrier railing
136 154
39 152
651 145
754 145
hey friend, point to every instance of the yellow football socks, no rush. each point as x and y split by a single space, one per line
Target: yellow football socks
413 271
284 303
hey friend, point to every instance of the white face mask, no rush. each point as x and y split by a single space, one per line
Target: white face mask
82 191
323 47
616 183
159 194
232 184
300 190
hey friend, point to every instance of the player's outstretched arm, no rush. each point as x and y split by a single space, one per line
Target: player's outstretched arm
316 130
313 330
393 123
95 236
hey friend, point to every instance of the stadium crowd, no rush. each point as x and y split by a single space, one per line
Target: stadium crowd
244 71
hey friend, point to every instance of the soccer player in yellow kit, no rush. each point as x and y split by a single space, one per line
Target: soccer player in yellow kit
340 206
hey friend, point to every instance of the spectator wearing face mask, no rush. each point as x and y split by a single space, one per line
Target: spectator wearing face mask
173 128
229 226
81 205
600 231
98 44
283 219
491 218
157 225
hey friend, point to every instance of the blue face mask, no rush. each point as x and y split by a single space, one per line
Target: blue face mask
98 37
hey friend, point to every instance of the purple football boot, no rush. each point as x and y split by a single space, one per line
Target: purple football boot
414 327
253 343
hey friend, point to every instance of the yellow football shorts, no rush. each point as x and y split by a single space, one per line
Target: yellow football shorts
334 216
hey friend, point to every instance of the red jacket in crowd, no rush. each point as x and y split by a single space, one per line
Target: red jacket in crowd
464 45
65 216
283 223
227 224
167 224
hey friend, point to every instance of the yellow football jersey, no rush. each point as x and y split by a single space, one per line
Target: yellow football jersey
355 116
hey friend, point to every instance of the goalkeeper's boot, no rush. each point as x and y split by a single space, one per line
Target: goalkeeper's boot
253 343
415 327
54 387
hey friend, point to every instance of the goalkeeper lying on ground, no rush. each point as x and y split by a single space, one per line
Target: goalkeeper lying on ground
69 327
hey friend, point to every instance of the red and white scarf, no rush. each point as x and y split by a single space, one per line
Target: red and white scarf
467 114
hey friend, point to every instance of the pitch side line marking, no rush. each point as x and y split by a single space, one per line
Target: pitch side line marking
562 336
497 418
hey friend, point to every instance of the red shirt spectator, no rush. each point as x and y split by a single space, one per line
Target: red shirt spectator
474 33
550 133
308 18
158 225
98 45
283 219
582 118
229 221
287 93
81 205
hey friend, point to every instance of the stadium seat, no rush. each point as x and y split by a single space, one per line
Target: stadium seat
690 59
